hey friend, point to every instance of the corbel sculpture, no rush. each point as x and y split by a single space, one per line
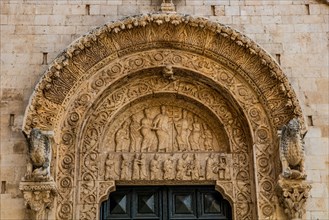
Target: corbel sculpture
292 153
38 187
292 188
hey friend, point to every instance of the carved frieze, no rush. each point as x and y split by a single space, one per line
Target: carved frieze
165 166
164 129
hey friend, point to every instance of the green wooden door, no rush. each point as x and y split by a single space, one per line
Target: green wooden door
165 202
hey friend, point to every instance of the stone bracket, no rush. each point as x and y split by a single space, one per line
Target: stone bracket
38 197
292 195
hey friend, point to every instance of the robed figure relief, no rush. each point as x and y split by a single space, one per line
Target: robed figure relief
195 136
135 135
168 168
155 168
166 129
122 139
182 130
146 131
110 168
161 128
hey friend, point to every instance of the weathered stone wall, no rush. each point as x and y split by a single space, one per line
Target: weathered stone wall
33 33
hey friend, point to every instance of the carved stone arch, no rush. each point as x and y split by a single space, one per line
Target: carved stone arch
242 79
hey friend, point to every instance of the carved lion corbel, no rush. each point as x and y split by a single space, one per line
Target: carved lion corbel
292 153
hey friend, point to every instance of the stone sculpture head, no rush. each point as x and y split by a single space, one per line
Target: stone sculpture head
35 133
163 109
293 126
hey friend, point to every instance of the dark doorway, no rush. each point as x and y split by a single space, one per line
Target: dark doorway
165 203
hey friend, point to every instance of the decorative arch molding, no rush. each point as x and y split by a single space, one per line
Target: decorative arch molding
98 82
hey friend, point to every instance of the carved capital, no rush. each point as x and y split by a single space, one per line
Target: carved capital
39 198
292 195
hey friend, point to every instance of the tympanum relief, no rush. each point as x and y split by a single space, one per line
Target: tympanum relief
165 128
167 166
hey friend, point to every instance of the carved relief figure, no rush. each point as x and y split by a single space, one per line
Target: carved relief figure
110 168
208 138
146 131
122 138
211 167
155 168
168 72
143 168
292 151
135 137
168 168
228 169
181 168
221 167
195 137
125 167
182 129
196 167
38 166
136 170
160 126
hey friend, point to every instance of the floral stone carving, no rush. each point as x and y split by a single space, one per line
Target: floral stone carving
292 195
39 198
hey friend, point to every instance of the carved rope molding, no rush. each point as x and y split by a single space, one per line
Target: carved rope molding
73 59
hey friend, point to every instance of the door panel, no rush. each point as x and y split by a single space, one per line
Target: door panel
165 203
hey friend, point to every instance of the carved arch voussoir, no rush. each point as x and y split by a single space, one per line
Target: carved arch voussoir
114 39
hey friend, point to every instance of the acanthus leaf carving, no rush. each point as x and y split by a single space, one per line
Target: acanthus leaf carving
38 197
292 196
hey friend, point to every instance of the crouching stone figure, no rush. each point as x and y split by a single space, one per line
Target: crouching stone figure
292 153
39 155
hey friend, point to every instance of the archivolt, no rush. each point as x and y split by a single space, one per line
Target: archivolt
155 31
227 61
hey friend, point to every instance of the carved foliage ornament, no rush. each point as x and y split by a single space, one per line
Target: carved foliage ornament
293 195
38 198
71 64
